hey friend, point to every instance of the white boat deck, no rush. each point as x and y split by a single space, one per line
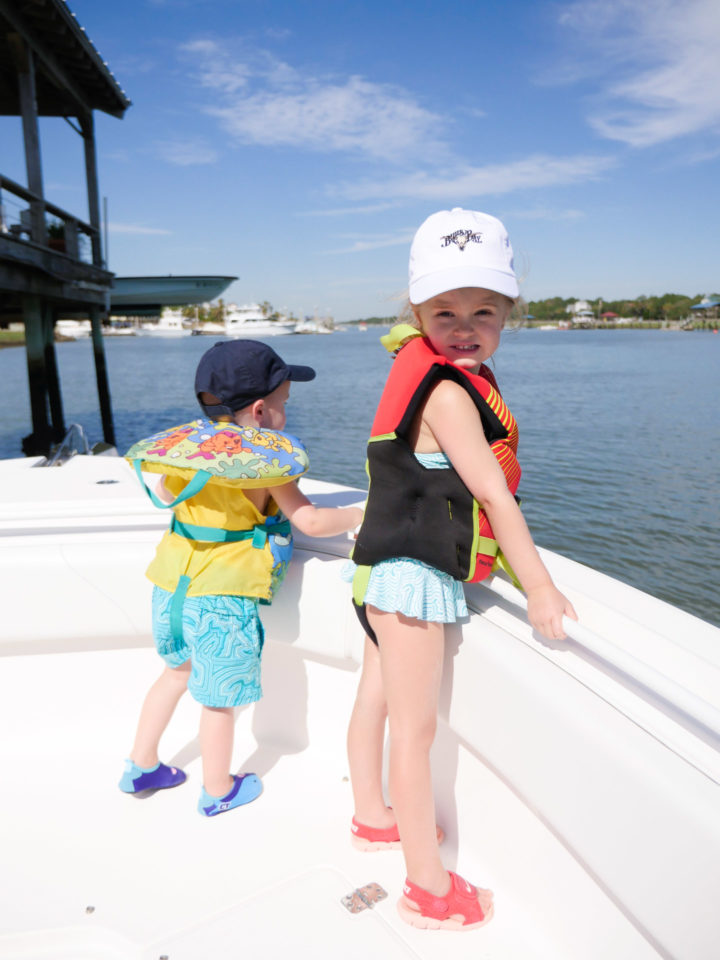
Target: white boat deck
590 811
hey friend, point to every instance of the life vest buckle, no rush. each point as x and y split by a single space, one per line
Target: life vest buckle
259 538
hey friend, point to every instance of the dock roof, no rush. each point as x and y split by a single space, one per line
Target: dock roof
71 75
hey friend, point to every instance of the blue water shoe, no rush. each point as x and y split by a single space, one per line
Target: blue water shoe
246 788
135 779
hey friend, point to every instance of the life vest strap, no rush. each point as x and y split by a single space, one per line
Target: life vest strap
192 531
176 608
193 486
361 579
491 548
258 534
486 545
501 563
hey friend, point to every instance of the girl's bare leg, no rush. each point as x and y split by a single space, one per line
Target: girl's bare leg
217 731
156 713
365 741
411 658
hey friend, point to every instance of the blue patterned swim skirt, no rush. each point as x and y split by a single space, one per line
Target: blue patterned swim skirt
223 639
413 588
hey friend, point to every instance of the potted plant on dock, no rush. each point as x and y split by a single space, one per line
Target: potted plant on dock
56 235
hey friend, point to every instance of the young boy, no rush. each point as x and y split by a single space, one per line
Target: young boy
218 656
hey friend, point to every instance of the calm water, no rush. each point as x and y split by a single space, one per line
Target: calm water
619 433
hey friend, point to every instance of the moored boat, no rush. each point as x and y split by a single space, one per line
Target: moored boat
250 321
134 296
75 329
170 324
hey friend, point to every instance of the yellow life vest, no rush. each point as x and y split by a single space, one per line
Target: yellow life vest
238 568
219 542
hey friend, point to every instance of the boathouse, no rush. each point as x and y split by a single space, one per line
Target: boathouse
708 309
51 259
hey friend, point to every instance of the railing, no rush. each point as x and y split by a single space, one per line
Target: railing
65 234
696 711
73 442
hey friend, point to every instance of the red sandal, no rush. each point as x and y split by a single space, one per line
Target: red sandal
369 839
459 909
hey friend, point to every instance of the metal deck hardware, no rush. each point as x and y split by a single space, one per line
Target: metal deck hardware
364 898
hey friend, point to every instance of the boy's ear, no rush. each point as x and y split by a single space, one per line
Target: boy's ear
258 408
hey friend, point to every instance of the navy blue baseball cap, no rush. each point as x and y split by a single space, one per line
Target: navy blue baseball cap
238 372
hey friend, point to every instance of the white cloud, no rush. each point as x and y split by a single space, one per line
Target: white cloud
349 211
468 183
359 244
542 213
265 101
137 230
662 59
183 153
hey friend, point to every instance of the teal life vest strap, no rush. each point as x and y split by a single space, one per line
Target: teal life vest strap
258 534
191 531
189 490
176 608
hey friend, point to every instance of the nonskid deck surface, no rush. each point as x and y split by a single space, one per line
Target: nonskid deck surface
96 873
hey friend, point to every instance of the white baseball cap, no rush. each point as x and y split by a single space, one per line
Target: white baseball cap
460 248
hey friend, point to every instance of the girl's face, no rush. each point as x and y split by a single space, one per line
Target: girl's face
464 325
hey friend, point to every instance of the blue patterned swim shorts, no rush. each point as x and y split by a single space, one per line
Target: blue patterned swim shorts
223 639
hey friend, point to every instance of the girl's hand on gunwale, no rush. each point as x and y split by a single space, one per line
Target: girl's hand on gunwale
546 608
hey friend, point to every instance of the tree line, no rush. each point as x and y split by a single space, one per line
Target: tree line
668 306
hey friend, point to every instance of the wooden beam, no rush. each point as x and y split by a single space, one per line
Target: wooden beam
87 124
31 136
38 442
51 372
101 376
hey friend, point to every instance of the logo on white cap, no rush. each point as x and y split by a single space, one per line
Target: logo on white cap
461 238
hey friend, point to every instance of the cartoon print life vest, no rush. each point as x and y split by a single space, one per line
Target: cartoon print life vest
215 460
416 512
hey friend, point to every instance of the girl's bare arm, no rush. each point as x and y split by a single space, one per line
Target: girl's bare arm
452 417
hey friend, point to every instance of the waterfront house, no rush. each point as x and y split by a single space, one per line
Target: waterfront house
580 312
707 309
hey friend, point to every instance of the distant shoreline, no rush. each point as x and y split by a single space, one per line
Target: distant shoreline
16 338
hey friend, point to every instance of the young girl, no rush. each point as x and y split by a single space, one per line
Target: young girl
443 472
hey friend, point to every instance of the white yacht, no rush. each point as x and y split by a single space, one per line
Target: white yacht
171 324
578 779
77 329
250 321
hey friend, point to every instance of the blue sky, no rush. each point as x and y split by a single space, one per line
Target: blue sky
299 145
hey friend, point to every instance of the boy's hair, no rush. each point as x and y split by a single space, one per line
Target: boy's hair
210 404
235 373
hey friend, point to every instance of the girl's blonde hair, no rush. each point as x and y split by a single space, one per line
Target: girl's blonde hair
516 315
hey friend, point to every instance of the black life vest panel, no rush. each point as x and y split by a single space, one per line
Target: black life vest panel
422 513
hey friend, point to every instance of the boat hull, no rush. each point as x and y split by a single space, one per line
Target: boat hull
162 332
587 801
146 295
259 329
